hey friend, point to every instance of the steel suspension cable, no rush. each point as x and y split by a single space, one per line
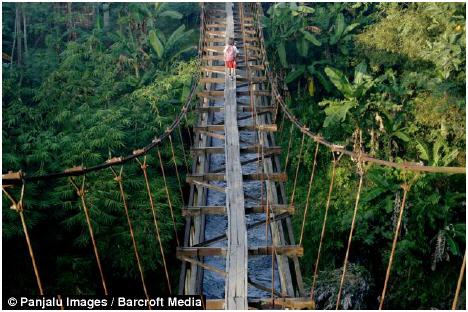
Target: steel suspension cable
18 206
405 188
144 167
168 196
322 235
119 179
308 192
460 279
80 191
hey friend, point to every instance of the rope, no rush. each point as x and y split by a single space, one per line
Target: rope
18 206
289 147
356 205
144 167
118 178
330 190
299 158
308 193
405 188
183 149
80 191
168 196
176 170
460 279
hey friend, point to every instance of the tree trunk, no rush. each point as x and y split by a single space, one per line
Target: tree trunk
18 33
71 33
15 35
25 33
106 10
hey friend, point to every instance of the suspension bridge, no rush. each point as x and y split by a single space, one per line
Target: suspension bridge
234 151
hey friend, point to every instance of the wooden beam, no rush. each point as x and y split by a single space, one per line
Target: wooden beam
221 69
290 250
213 135
247 149
240 108
209 186
221 210
275 176
301 303
220 127
203 265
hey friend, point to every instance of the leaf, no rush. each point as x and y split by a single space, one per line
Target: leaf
336 111
423 150
350 28
282 54
311 87
303 47
324 81
156 44
183 50
340 81
360 72
339 24
294 74
310 37
305 9
402 136
447 159
339 28
373 193
452 246
435 151
175 36
171 14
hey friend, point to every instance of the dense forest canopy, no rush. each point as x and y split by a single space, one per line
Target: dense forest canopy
83 82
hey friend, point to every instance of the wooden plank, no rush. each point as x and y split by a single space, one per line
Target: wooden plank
220 94
247 149
301 303
216 33
221 210
206 185
203 265
220 57
236 256
240 108
258 127
212 134
289 251
221 69
272 176
214 304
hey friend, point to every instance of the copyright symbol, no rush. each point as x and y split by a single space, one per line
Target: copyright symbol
12 302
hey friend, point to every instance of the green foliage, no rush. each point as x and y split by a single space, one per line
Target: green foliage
80 100
397 72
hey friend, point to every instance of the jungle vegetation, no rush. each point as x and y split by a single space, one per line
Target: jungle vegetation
396 72
83 82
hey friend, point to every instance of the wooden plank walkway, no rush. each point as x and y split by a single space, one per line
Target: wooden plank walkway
231 113
236 257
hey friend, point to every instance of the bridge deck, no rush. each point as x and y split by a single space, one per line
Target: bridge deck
236 123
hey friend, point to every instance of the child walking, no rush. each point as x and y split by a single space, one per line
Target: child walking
230 53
